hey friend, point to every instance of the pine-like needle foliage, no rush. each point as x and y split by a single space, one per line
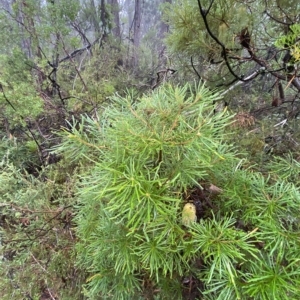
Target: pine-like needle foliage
151 151
149 158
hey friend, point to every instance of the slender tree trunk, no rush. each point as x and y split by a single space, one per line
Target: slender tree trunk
26 22
115 9
103 18
136 32
95 20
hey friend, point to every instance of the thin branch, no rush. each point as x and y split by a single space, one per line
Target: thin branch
76 69
49 292
250 77
277 20
38 263
203 14
192 63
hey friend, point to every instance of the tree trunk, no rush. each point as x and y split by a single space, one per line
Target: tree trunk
103 18
115 9
94 18
136 32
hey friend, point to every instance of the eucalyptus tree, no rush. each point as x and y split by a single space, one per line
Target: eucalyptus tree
136 31
115 11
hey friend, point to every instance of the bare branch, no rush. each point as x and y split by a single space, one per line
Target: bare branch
203 14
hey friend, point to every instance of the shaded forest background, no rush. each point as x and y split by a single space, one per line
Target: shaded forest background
87 86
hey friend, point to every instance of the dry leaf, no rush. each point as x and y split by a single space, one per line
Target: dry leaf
214 189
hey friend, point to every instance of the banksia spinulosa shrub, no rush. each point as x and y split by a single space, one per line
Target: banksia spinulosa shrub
151 159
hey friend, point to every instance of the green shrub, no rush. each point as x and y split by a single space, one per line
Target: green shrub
36 235
148 158
151 152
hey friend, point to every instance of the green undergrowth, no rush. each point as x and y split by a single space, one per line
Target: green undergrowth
105 221
37 233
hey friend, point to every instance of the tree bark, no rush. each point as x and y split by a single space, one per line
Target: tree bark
103 18
95 18
115 9
136 32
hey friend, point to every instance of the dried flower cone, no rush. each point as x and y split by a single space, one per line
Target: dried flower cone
189 214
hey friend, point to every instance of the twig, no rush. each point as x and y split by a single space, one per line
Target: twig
38 263
50 294
282 123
